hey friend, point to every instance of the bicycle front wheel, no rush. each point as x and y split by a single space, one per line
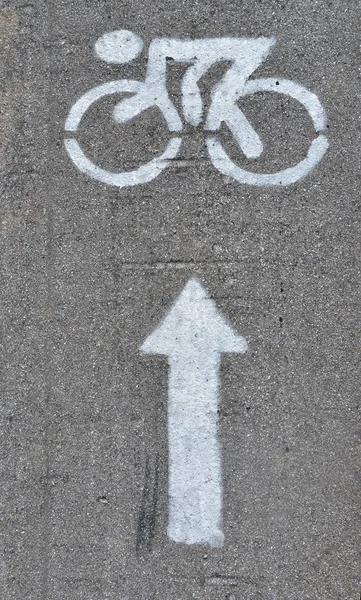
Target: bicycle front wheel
142 174
318 147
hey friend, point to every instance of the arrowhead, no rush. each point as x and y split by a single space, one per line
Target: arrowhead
193 322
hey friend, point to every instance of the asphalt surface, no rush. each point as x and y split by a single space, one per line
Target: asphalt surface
88 271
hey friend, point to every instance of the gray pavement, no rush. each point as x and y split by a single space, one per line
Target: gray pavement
88 271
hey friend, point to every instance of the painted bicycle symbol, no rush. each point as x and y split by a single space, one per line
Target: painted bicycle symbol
245 56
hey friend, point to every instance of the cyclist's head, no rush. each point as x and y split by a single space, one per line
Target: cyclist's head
118 46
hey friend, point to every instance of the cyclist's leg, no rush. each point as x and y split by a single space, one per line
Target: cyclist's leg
246 137
223 109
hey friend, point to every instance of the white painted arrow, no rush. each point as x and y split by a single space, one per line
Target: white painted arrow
193 335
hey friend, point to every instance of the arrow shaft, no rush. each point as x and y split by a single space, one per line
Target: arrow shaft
195 486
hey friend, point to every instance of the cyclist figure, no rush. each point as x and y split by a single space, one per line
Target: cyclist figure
244 56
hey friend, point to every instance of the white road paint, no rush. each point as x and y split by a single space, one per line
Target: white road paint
118 47
245 56
193 335
143 174
225 165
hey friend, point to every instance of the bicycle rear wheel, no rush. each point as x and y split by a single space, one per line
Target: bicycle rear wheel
318 147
